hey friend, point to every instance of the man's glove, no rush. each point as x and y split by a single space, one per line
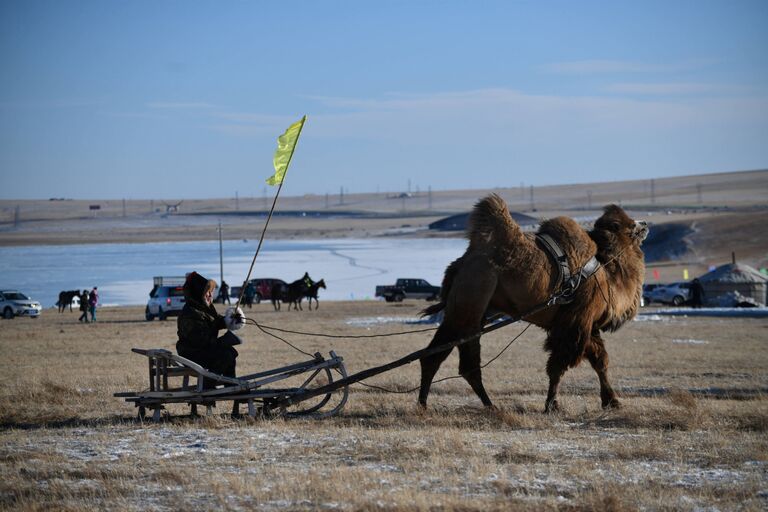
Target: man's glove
234 318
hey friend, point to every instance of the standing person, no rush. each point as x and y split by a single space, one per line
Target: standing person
84 306
224 293
250 293
697 293
198 329
93 301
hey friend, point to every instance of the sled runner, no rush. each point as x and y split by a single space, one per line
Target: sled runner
174 379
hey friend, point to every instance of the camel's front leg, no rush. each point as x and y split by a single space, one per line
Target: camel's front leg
555 370
598 358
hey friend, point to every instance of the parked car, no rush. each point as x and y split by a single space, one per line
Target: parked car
647 289
14 303
408 288
674 293
263 287
164 301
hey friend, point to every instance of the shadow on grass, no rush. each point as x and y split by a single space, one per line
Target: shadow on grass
136 321
71 423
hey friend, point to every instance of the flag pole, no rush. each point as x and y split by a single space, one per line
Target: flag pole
269 216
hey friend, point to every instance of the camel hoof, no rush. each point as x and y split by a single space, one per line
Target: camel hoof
612 404
551 407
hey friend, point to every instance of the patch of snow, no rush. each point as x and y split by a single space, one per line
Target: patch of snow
171 455
380 320
759 312
690 342
696 477
647 317
682 476
388 468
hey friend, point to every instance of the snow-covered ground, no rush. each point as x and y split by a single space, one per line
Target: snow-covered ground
727 312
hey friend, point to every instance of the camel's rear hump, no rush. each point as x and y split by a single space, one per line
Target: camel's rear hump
490 224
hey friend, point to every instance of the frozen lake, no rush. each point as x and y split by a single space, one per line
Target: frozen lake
123 272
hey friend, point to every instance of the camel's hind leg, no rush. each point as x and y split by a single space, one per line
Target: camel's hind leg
469 364
430 364
598 358
471 291
469 368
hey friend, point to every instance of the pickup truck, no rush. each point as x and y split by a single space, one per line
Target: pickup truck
407 288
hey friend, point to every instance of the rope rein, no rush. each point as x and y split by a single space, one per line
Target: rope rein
349 336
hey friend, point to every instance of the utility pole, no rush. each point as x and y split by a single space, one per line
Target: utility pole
221 255
341 195
533 204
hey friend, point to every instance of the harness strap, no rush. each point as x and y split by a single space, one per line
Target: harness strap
558 255
566 283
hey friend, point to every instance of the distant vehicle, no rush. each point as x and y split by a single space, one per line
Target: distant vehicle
263 287
408 288
166 298
14 303
647 289
674 293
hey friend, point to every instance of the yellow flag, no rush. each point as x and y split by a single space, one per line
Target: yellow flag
286 143
685 274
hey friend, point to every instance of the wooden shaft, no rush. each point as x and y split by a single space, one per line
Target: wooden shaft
419 354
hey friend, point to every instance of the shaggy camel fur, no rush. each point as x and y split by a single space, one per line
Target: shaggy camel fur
507 270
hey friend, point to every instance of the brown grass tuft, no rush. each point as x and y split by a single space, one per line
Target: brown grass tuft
682 398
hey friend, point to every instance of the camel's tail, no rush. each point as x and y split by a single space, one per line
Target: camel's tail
445 288
431 310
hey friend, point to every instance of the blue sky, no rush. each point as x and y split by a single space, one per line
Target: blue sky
165 99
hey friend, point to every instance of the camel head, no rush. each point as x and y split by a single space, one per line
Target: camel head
617 226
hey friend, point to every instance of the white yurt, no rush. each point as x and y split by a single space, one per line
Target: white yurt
735 277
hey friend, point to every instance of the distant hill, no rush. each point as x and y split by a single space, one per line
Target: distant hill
459 221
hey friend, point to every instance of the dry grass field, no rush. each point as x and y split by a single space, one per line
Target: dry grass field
691 434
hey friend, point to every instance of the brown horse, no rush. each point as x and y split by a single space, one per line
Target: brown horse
506 270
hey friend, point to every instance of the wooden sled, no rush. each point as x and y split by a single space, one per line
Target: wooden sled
175 379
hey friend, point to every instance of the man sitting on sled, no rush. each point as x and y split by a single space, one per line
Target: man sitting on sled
198 330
